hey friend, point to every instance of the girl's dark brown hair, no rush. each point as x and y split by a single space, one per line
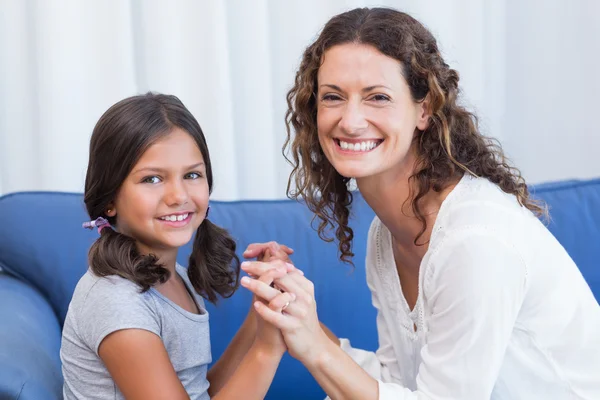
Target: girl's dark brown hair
451 145
118 141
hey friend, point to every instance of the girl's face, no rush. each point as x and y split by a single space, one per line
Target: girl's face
164 199
366 116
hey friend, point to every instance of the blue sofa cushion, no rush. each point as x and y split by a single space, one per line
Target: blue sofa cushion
29 343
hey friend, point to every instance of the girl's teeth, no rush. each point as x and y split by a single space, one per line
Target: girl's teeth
174 218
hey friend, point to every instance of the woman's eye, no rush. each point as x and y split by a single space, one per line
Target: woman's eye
380 97
151 179
330 97
193 175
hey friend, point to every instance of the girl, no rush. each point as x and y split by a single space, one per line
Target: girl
137 326
475 297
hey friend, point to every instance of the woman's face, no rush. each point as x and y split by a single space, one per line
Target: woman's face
366 116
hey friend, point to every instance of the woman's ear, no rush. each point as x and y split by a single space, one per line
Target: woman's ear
424 114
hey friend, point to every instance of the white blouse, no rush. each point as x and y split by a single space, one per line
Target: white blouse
502 311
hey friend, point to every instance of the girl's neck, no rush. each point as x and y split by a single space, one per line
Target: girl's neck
167 258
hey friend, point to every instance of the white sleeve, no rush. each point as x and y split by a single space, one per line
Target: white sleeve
474 293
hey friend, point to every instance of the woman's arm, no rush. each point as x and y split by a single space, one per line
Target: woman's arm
475 291
334 370
275 251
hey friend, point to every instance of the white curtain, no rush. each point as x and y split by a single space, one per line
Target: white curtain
528 68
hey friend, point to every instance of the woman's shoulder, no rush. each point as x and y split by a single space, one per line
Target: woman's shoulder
478 203
478 211
472 189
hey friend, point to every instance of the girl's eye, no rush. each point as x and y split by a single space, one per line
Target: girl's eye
193 175
151 179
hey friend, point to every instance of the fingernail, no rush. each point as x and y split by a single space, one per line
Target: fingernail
256 304
245 264
293 296
300 271
290 266
245 280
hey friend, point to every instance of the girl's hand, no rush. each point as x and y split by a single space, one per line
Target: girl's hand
296 316
268 252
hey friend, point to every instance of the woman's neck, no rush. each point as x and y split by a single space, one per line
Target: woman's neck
389 195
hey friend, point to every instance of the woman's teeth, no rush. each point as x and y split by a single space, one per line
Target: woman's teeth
359 146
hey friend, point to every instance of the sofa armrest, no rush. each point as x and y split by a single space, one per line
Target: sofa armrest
30 336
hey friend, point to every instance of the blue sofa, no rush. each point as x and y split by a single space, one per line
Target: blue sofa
43 254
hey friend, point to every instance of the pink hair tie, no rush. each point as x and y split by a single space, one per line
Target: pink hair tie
99 223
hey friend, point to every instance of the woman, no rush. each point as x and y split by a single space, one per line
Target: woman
475 297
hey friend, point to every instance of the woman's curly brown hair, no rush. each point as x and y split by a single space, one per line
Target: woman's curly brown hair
449 147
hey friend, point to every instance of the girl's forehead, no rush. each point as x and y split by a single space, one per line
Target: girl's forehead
176 149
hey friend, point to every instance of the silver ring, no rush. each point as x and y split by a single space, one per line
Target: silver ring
285 306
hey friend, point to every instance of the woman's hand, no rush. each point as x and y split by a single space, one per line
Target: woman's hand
268 337
293 311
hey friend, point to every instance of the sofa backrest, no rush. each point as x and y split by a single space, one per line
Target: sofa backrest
575 221
42 243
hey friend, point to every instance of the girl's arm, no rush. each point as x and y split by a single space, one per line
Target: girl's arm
253 376
248 366
224 368
140 366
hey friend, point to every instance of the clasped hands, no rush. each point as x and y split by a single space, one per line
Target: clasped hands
285 299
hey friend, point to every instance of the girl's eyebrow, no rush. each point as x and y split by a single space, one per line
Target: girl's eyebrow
161 170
